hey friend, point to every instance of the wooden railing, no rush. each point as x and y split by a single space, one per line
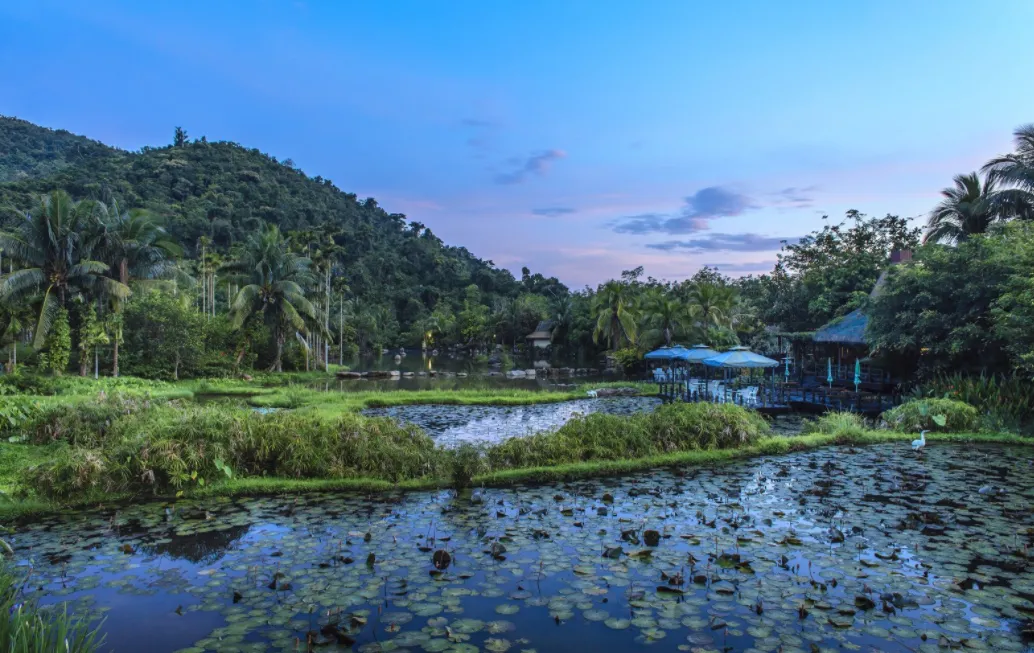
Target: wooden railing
786 397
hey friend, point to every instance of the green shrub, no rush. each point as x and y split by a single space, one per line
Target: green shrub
1006 402
840 424
703 425
673 427
15 411
946 415
466 462
27 627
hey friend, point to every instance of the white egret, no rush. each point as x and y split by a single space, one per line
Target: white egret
917 445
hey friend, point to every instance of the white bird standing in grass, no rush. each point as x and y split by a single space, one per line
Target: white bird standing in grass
918 445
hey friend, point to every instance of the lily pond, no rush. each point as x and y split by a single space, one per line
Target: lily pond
870 549
451 426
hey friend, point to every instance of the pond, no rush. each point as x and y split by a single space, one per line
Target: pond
451 426
834 549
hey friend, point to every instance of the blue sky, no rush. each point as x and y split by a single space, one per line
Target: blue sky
579 138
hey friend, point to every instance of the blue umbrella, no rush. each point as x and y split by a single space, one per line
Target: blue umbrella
740 357
857 373
829 371
676 353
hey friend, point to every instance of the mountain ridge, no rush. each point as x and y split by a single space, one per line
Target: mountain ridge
214 193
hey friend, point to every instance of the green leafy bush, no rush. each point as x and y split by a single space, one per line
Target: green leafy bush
1006 402
466 462
840 424
15 411
946 415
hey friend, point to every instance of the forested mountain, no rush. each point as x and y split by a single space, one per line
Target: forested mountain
212 195
28 150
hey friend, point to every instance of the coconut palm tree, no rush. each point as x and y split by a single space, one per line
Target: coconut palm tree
136 248
1015 173
969 208
711 304
133 243
665 316
615 312
55 260
274 289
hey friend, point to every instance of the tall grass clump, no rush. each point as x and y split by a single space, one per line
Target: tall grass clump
27 627
840 424
943 415
171 448
1005 402
598 437
82 422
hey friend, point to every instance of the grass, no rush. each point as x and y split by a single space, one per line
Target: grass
542 474
91 448
27 627
335 403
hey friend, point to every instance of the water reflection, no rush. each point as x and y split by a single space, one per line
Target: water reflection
451 426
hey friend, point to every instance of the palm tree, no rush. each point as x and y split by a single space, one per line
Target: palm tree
561 314
56 263
134 243
274 288
968 209
615 315
1015 171
136 247
665 316
711 304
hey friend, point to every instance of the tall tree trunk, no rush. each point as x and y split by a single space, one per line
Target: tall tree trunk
123 271
114 358
279 362
176 367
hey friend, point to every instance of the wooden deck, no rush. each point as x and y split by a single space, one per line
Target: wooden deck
784 398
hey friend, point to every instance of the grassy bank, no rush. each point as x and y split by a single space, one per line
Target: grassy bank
330 403
264 486
120 448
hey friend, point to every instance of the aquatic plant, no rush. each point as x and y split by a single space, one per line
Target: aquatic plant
465 462
945 415
1005 402
28 627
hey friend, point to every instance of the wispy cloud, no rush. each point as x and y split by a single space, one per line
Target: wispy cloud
553 211
724 243
536 164
794 197
480 135
697 212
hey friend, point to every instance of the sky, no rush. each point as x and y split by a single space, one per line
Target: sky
578 138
